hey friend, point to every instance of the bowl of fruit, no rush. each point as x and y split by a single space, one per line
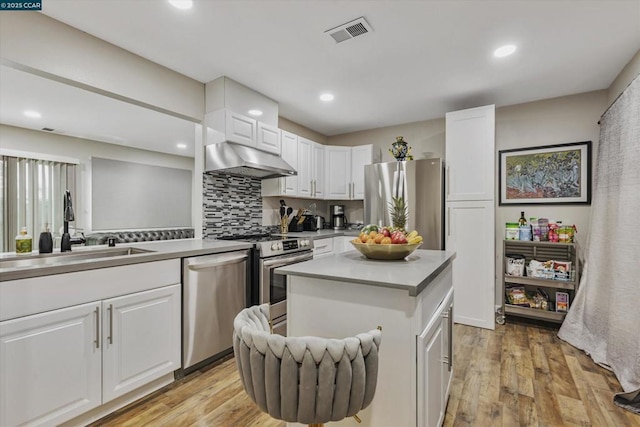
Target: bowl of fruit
386 243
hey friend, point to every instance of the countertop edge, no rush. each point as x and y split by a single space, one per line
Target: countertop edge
412 290
157 255
430 278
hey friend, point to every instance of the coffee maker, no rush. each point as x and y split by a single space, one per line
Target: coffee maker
338 218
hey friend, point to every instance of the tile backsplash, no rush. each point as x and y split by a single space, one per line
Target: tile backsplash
231 204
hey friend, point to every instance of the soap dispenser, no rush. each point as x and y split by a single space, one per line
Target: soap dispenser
23 242
45 244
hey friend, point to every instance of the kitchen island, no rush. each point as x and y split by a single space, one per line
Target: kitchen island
412 300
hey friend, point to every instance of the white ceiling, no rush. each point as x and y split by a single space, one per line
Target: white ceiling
423 58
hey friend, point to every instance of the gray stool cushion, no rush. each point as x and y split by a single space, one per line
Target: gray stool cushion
304 379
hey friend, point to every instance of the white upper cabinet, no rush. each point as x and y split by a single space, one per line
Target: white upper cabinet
338 178
317 171
360 157
345 171
470 154
240 129
289 153
227 125
268 138
305 151
324 171
308 159
310 169
285 186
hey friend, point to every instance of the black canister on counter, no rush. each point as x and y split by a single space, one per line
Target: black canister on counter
45 244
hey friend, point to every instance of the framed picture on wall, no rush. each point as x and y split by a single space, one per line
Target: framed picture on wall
553 174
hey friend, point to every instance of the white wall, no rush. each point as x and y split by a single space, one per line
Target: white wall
628 73
19 139
426 139
300 130
550 121
42 43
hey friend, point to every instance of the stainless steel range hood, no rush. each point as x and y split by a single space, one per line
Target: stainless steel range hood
237 159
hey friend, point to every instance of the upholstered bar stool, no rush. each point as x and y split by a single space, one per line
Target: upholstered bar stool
308 380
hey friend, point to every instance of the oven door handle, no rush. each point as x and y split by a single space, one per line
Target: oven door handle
288 260
217 263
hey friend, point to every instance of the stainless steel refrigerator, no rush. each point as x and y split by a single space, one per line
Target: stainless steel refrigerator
421 183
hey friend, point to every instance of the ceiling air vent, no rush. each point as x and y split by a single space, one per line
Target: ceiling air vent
355 28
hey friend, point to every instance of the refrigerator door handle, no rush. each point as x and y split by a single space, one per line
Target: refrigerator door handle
448 222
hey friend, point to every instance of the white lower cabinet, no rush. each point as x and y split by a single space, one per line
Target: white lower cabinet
471 235
435 353
323 247
59 364
50 366
141 339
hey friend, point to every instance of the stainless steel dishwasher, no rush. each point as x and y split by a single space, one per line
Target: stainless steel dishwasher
214 291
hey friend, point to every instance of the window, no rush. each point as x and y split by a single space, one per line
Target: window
31 196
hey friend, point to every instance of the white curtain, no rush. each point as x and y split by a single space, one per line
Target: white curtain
32 196
604 319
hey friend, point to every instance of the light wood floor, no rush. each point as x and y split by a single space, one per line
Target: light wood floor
517 375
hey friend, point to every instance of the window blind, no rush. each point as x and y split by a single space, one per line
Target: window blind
32 196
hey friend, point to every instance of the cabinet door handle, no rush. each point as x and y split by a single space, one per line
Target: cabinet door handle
97 341
110 337
448 222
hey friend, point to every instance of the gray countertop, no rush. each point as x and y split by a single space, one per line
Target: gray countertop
158 250
414 273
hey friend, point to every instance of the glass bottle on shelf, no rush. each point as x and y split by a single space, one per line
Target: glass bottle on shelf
522 221
524 232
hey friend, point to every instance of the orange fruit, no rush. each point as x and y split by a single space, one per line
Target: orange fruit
378 238
386 241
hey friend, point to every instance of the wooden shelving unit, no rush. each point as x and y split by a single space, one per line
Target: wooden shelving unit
540 251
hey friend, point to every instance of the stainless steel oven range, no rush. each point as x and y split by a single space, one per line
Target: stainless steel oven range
269 253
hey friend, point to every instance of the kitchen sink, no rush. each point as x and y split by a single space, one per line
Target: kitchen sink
20 261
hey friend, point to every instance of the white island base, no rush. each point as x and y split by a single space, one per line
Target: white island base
414 372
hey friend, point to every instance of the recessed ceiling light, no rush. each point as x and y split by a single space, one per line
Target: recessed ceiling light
181 145
182 4
256 113
505 50
33 114
326 97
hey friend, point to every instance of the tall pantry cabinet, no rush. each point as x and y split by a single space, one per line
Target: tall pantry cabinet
470 213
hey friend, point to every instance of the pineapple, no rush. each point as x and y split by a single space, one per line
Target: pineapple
398 211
